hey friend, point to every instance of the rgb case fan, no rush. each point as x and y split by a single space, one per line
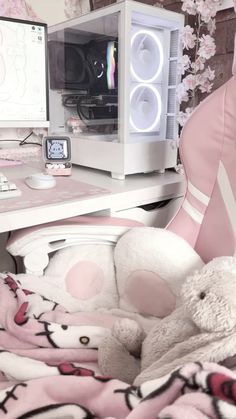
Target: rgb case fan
145 108
146 65
147 56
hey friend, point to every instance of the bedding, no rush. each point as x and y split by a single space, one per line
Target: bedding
48 369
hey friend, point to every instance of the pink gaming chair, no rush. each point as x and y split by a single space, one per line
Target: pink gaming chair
207 217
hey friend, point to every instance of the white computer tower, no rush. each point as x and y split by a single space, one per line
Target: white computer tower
113 76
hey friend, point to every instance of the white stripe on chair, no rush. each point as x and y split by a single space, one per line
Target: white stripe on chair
198 194
227 195
194 214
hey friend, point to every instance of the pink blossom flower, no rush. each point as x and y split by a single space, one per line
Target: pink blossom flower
199 64
189 6
207 47
17 8
211 26
72 8
190 82
207 9
183 116
198 77
181 93
184 64
188 37
204 80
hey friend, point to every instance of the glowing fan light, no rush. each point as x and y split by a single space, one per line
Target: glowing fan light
111 65
101 70
148 50
145 102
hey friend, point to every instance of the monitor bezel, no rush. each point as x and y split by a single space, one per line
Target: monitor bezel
31 123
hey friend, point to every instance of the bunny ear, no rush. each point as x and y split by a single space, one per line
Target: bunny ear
234 60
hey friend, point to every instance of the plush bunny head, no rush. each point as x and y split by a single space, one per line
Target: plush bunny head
209 297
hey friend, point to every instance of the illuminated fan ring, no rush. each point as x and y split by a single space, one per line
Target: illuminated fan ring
158 42
159 107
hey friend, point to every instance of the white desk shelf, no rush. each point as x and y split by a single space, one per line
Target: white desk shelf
136 190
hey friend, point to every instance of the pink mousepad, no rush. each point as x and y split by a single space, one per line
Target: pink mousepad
66 189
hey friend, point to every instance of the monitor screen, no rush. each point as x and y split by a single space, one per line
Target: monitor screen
23 74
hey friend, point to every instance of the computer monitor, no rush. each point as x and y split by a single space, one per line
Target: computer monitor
23 74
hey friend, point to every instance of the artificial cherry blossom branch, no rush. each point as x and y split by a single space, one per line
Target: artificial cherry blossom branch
197 75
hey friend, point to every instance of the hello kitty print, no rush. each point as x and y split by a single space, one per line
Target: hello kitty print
27 320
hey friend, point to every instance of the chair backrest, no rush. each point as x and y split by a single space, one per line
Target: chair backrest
207 217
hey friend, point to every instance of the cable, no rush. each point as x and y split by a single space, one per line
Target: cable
31 142
25 143
24 139
22 142
80 112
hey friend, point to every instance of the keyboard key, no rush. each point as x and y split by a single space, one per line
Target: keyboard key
3 178
4 187
12 186
10 194
8 189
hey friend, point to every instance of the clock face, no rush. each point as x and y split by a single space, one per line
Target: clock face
57 149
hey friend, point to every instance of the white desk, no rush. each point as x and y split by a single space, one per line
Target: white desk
134 191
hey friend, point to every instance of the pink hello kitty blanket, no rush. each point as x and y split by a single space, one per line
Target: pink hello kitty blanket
48 370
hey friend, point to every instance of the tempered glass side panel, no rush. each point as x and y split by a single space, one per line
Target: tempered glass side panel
83 69
149 77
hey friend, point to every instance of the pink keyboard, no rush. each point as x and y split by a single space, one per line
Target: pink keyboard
23 153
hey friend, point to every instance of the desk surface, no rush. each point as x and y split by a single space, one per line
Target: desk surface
134 191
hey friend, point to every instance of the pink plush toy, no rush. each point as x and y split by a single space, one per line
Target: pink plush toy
203 328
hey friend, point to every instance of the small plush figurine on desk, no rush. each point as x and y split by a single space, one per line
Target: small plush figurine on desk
203 328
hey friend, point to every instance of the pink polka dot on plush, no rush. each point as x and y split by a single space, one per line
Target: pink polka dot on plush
84 280
149 294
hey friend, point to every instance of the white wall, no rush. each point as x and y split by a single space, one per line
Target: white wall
50 11
53 11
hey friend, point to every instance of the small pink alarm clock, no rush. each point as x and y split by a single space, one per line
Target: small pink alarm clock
57 155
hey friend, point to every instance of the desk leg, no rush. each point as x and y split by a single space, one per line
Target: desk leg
7 262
